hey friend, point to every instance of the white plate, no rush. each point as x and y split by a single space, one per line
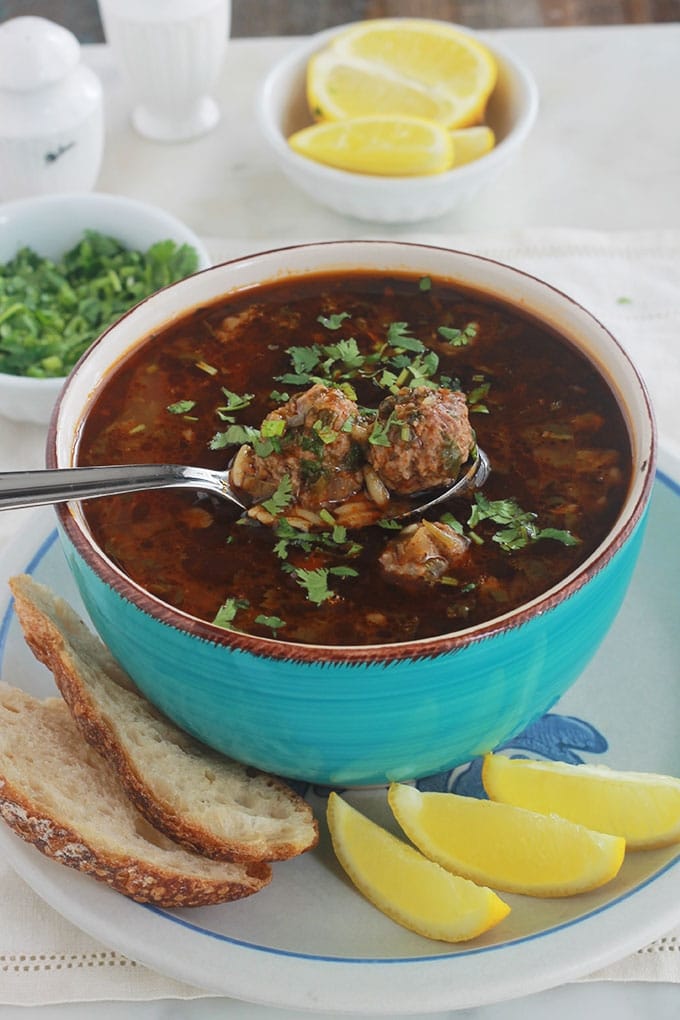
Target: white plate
309 941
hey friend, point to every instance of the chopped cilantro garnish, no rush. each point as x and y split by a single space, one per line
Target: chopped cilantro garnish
326 434
234 435
281 498
458 337
304 359
315 582
398 336
333 321
424 284
181 406
273 622
518 526
379 435
272 427
235 401
345 351
226 614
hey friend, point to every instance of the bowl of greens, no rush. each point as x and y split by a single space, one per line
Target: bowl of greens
70 266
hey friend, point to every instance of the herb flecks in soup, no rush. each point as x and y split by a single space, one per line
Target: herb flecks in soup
337 394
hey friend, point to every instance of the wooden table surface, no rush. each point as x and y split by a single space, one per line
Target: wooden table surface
302 17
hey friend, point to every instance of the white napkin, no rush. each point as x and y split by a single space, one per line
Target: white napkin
631 282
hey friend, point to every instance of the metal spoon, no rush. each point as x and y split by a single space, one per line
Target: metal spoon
58 485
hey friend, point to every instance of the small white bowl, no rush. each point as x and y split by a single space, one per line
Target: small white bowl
50 225
282 109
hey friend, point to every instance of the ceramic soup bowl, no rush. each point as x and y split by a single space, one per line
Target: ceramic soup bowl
359 714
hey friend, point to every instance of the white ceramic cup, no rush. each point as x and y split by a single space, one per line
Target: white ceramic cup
170 53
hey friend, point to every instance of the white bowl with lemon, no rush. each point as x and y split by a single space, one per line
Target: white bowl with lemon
396 120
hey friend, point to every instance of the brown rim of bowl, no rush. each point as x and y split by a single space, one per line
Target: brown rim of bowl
425 648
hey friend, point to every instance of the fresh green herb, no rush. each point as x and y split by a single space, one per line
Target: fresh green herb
398 336
424 284
315 582
326 434
333 541
273 622
235 401
304 360
272 428
226 614
458 337
333 321
51 311
279 397
281 498
558 535
518 527
475 398
233 436
453 522
346 352
379 435
181 407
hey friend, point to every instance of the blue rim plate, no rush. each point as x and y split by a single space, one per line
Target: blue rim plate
309 941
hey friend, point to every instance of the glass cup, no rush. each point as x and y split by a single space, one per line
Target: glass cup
170 53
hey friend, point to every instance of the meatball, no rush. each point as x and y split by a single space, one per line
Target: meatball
420 439
422 553
315 441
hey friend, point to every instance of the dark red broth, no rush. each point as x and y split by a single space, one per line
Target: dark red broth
550 425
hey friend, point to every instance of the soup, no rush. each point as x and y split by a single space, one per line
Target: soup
331 377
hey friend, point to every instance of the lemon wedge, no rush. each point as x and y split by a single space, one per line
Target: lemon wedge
506 847
389 146
399 881
642 807
405 66
471 143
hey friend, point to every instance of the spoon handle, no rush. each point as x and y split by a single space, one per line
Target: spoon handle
58 485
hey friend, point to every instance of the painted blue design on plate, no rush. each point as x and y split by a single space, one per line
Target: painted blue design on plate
553 736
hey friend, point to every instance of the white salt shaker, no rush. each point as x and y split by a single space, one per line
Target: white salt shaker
51 116
170 53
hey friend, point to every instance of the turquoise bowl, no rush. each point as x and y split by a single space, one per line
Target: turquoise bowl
359 715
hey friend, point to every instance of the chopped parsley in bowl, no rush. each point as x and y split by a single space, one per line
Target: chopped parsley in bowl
70 266
50 312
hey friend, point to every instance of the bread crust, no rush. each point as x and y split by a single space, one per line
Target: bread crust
104 702
50 780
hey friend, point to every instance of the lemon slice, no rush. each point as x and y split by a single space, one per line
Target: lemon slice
506 847
404 66
389 146
406 886
471 143
642 807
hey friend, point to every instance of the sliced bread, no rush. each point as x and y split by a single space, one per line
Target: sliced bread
60 795
203 800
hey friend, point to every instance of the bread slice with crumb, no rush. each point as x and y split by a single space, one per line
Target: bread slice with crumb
60 795
203 800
